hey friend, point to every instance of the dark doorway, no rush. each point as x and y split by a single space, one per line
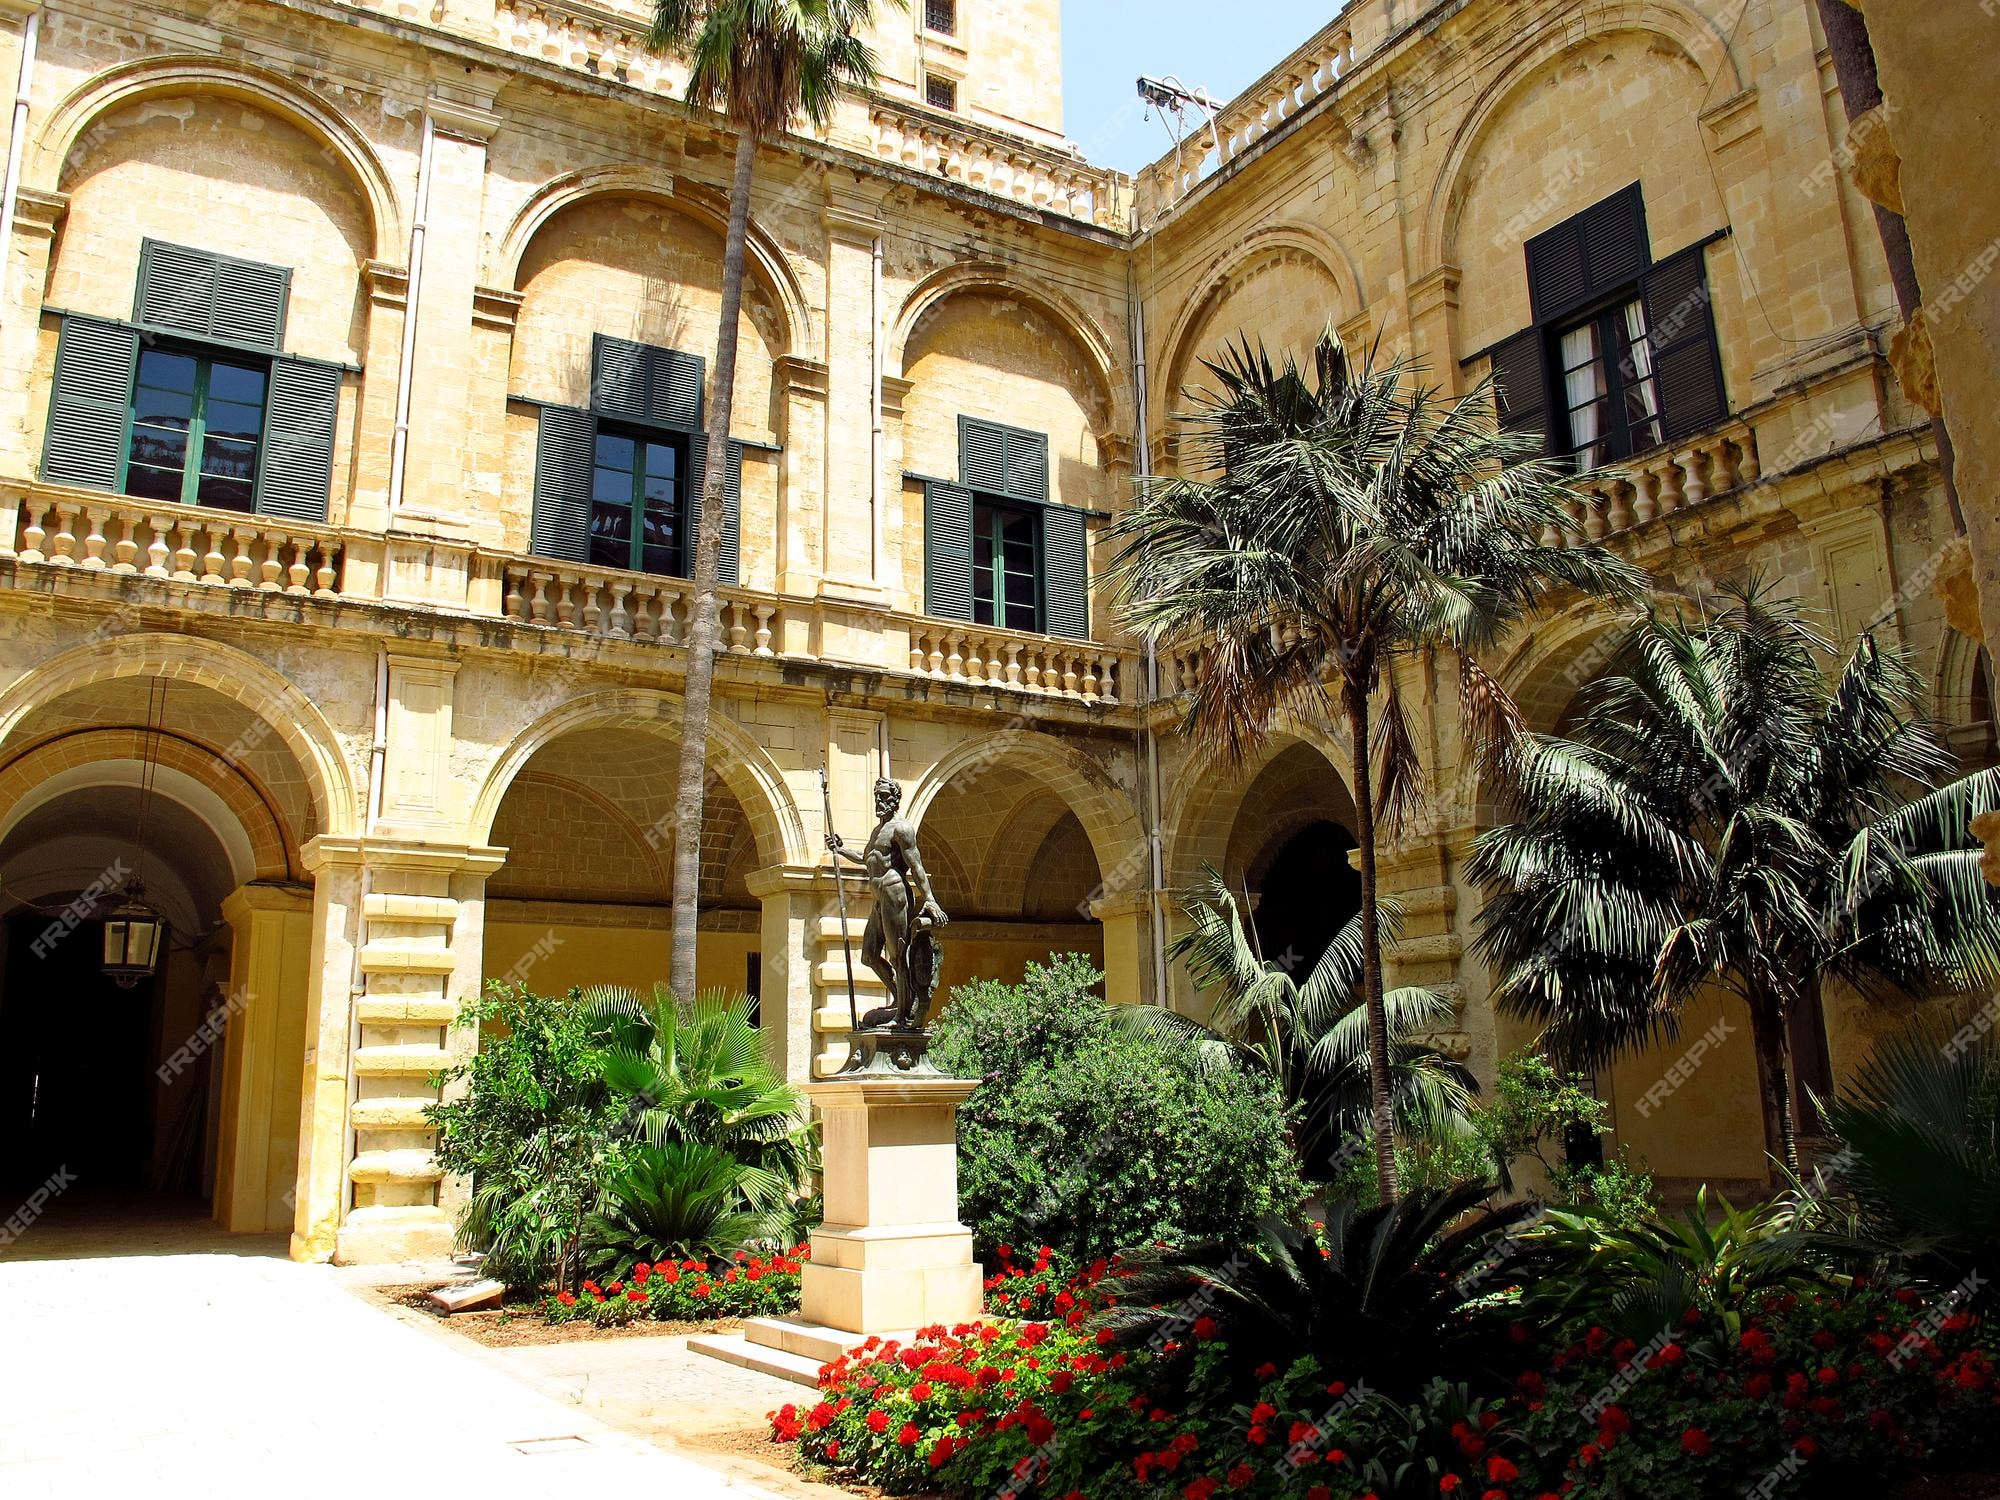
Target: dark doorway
74 1052
1307 893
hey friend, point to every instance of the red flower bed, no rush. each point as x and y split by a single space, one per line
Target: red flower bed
690 1291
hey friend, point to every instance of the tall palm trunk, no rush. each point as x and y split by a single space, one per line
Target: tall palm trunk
1381 1101
1769 1034
702 622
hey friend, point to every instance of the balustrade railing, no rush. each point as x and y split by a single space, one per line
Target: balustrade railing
188 544
952 651
1676 477
1008 168
622 606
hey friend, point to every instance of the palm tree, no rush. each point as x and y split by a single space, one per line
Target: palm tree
1356 518
1311 1037
762 63
696 1073
1725 816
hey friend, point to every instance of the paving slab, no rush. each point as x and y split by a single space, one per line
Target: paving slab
224 1375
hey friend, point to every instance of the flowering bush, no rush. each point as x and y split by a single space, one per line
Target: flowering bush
1041 1285
689 1291
1848 1383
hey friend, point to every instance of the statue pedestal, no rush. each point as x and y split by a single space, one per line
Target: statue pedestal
891 1256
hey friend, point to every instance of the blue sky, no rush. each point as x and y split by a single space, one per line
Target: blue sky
1221 45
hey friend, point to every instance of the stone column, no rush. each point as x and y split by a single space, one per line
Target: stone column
261 1078
1433 327
1128 945
793 896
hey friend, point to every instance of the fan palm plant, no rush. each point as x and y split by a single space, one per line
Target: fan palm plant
695 1073
1310 1037
1354 518
762 63
1725 816
1917 1133
676 1201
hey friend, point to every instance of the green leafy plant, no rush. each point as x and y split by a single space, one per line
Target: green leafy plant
1311 1037
696 1073
1084 1137
1395 1292
530 1120
1351 518
1724 816
673 1202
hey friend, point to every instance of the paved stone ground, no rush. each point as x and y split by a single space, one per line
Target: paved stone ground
241 1374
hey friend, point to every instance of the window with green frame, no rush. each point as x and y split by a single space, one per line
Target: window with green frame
197 428
638 503
1006 566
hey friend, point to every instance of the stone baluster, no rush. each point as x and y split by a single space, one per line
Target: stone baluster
241 563
34 533
1696 464
620 623
1725 467
329 570
1087 679
1645 484
1748 465
1108 678
765 613
1012 670
126 548
954 662
298 574
93 539
513 604
538 605
157 550
271 570
62 546
1619 516
1069 677
739 629
565 600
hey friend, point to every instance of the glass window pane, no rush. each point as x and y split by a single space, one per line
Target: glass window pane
662 494
167 408
167 372
1021 589
614 452
663 461
611 486
159 446
232 419
663 561
236 383
611 521
153 483
229 456
231 493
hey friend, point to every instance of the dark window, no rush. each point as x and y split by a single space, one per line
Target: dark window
197 426
1611 399
1006 566
940 93
941 16
638 504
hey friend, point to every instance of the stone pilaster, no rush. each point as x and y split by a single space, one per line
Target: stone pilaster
24 395
408 918
270 977
802 398
854 537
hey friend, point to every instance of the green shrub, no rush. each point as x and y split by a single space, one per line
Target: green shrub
534 1129
1086 1139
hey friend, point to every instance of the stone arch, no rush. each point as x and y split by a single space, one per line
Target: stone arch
154 77
768 262
38 773
1275 242
1698 38
990 277
743 766
1067 774
1203 810
1010 857
225 670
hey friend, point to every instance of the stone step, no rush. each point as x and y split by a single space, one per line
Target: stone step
733 1348
805 1340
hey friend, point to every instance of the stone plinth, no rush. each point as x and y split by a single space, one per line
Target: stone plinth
891 1256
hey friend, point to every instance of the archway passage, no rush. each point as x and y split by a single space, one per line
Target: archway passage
179 1095
586 894
1306 891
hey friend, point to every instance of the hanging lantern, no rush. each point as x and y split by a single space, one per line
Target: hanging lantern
133 936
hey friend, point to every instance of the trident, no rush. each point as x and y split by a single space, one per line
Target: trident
840 891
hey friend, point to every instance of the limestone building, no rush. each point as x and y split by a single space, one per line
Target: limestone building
351 366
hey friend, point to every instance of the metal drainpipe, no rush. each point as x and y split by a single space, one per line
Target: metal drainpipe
875 418
1142 466
399 443
16 145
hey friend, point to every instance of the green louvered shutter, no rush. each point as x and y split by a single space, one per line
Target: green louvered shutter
729 560
565 455
295 470
646 384
1521 386
1589 255
1687 362
948 551
1006 462
209 296
1065 573
90 406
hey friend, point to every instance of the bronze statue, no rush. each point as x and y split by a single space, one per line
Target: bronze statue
900 942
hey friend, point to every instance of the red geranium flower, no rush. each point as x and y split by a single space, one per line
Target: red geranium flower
1695 1441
